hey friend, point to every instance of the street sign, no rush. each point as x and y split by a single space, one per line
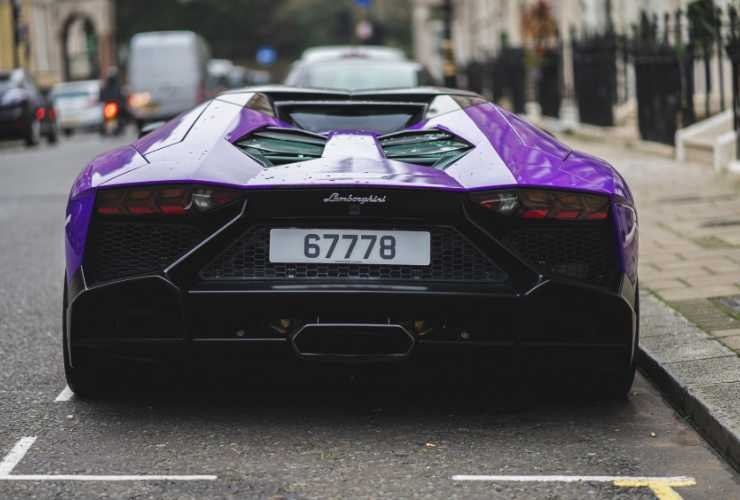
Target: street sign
266 55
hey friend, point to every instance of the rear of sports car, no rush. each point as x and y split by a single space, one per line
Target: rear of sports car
354 274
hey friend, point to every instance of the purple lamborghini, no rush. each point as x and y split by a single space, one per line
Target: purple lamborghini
350 229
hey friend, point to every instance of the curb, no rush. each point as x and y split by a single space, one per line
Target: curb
696 374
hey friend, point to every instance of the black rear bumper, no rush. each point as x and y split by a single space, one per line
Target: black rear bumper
151 319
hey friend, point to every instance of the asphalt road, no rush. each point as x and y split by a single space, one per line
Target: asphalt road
343 442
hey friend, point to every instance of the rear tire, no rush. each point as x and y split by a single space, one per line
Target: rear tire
617 386
33 133
53 135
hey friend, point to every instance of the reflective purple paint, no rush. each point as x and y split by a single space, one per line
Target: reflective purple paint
196 147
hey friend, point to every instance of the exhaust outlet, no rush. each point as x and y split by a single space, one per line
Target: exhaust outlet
352 341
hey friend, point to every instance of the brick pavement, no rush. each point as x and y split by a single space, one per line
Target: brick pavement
689 234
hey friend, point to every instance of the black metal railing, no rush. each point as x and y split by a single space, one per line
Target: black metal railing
595 77
733 52
549 82
664 79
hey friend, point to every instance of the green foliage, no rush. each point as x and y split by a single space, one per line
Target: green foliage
235 29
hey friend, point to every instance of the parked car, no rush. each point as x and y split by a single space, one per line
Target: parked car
359 73
25 113
78 106
167 74
353 229
219 77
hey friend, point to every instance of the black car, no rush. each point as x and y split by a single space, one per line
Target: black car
24 111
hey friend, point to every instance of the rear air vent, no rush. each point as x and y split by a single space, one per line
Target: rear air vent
432 148
278 146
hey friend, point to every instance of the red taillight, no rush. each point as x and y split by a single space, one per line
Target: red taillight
545 204
110 110
169 200
40 113
534 214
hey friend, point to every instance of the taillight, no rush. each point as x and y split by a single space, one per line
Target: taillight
40 114
163 200
110 110
544 204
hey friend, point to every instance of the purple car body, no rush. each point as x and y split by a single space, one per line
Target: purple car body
507 153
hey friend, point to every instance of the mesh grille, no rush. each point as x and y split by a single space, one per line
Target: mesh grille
453 259
434 148
583 253
126 249
279 146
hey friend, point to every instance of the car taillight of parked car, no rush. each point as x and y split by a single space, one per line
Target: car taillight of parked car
164 200
544 204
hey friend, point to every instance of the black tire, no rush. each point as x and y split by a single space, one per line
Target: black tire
84 381
617 386
68 132
53 136
33 132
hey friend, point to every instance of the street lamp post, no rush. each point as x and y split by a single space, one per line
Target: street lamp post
448 69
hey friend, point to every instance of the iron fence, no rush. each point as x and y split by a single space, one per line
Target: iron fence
549 82
733 52
664 79
595 77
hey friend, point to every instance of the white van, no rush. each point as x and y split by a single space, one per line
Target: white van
167 73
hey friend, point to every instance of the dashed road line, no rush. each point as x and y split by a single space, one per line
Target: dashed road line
16 455
662 487
65 395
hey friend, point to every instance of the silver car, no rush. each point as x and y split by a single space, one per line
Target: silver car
78 106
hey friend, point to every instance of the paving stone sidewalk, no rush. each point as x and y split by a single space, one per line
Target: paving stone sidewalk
689 235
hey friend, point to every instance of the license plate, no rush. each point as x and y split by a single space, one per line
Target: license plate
350 246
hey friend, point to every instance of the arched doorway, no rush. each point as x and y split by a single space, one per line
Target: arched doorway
80 48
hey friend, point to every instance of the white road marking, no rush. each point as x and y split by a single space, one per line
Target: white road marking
571 479
16 455
65 395
84 477
24 444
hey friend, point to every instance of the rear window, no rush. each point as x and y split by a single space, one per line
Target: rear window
320 117
75 92
359 76
163 61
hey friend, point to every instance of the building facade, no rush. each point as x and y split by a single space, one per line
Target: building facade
57 40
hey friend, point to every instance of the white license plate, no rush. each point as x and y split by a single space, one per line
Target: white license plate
350 246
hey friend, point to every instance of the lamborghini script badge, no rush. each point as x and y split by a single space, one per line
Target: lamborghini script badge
350 198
